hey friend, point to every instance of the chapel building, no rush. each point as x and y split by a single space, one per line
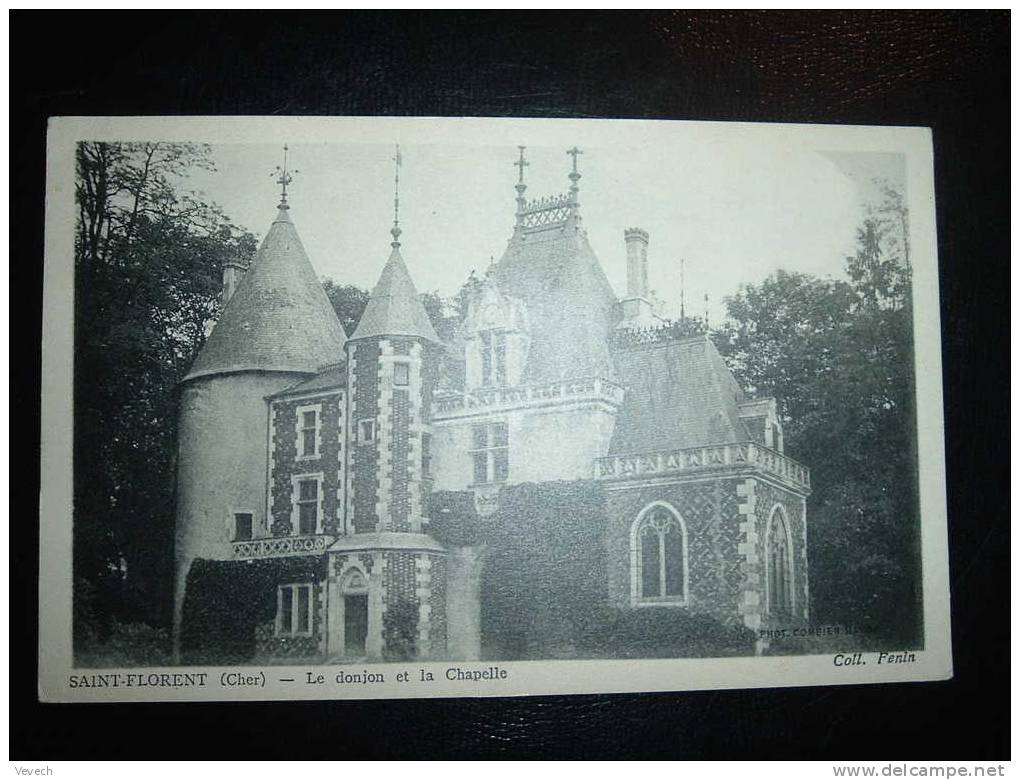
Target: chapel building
318 455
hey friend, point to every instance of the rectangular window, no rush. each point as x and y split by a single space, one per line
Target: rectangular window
366 431
242 526
294 610
480 437
481 467
491 452
309 433
486 358
500 360
308 506
426 454
401 374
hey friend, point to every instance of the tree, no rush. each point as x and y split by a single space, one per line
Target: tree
838 356
349 302
148 269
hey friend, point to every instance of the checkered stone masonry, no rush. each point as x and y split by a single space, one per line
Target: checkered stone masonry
399 578
768 497
749 550
709 511
437 605
285 463
364 477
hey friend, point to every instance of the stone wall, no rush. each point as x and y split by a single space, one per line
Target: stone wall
768 497
363 386
709 509
328 461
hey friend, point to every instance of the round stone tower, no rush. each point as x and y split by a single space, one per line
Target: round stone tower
276 329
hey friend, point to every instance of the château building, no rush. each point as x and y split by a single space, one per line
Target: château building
316 458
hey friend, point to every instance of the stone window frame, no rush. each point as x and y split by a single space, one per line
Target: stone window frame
493 351
344 589
401 367
295 588
791 590
636 599
234 513
361 438
490 450
295 495
301 410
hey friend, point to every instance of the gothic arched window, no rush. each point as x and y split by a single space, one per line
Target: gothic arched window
659 556
779 565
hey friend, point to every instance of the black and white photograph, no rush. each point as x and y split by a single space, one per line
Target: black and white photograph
376 408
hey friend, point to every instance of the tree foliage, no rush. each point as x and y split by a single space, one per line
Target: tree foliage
838 356
148 269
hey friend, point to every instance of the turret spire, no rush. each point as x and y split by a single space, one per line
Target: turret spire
395 230
284 177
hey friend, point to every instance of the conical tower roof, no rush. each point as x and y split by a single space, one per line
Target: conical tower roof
394 309
279 319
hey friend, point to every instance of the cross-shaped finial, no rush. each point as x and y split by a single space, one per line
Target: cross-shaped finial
573 153
521 164
285 177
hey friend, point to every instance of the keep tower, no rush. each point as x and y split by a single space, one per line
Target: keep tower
277 328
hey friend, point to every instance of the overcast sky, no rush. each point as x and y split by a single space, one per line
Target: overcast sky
735 210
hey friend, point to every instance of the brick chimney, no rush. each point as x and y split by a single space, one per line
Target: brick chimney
233 272
636 306
637 262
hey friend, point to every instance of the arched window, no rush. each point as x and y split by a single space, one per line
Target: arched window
779 565
659 557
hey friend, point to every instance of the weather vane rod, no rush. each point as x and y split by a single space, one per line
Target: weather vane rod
284 177
395 232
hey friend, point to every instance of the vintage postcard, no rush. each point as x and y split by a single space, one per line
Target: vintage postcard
379 407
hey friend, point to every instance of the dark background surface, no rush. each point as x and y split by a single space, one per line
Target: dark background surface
948 71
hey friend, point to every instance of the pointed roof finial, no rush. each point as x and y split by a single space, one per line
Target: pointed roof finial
574 175
284 177
395 230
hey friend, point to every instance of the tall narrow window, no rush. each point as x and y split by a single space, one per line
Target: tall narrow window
401 374
242 526
659 557
500 350
486 337
426 454
780 584
308 506
294 610
491 452
493 345
309 433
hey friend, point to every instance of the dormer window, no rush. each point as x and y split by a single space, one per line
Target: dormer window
493 358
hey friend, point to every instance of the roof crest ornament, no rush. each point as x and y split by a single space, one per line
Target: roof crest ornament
395 230
284 177
574 176
521 187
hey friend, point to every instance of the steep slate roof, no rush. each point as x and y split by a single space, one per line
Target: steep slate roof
394 308
678 394
571 307
329 379
279 319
